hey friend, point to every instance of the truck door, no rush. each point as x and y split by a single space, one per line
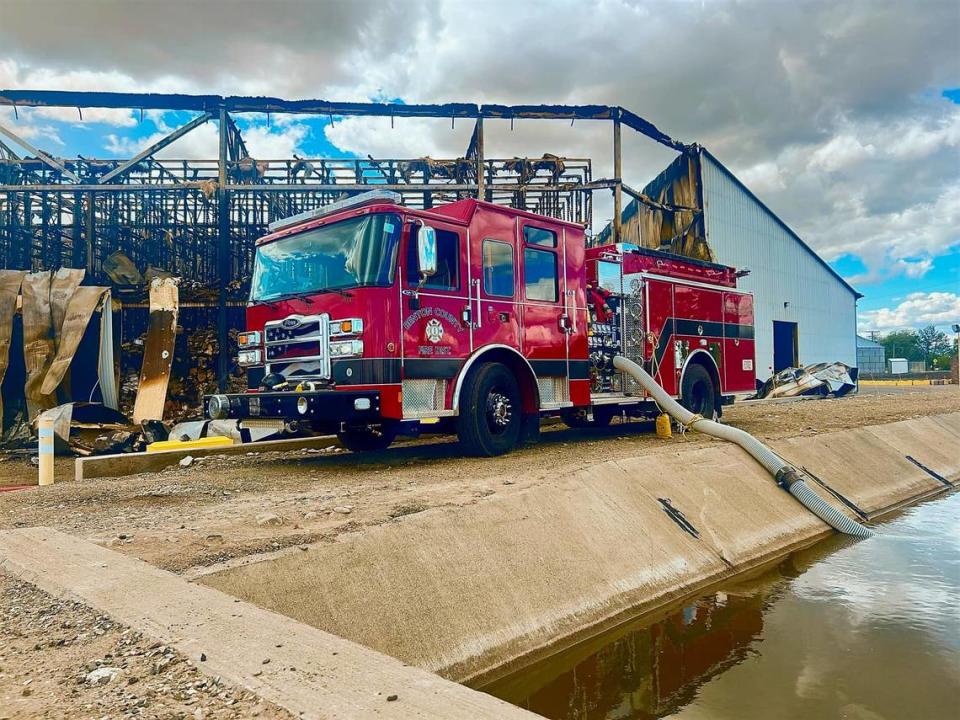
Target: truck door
495 273
544 319
436 337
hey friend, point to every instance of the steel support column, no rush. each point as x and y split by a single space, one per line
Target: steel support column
223 255
618 179
481 179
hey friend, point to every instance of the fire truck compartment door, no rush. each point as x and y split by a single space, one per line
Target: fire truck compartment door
494 270
546 322
436 335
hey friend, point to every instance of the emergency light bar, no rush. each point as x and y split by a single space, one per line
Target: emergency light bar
373 196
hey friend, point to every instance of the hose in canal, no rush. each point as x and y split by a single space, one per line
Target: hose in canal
785 474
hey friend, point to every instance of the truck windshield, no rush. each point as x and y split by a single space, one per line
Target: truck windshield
353 253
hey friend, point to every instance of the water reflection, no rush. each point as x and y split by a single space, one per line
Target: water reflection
867 630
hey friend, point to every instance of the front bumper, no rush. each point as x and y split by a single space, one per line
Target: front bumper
322 406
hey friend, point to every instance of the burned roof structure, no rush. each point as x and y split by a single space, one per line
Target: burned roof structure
127 221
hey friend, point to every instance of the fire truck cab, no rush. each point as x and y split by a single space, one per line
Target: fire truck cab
368 319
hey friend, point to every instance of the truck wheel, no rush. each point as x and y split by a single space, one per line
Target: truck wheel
697 394
490 411
367 438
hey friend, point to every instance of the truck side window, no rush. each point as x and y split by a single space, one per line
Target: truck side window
539 236
540 274
497 268
447 276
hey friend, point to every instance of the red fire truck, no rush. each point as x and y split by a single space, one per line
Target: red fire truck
370 319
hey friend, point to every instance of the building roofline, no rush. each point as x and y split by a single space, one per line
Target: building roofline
780 222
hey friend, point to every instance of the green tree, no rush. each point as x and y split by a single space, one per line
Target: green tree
942 361
902 344
932 342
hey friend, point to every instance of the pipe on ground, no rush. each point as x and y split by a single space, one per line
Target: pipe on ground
785 474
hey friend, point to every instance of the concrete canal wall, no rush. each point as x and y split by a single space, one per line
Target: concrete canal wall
477 591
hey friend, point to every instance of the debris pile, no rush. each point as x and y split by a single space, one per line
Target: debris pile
822 379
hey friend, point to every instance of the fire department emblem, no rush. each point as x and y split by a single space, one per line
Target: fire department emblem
434 331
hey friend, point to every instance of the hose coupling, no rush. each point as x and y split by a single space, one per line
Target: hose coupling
787 476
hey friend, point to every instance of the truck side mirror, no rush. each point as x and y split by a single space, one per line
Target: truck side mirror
427 250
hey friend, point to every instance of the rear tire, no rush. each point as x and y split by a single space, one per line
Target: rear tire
367 438
490 411
698 394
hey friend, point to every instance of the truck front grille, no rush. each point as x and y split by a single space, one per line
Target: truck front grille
301 341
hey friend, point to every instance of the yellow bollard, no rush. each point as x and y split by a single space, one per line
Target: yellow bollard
45 448
663 426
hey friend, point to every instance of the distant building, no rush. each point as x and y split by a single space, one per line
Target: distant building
871 356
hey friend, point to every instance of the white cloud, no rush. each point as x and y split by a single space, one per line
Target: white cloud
263 142
841 151
764 177
201 142
274 143
40 135
917 310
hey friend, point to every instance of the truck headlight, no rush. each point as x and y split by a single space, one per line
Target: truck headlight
218 407
346 348
246 358
248 339
350 326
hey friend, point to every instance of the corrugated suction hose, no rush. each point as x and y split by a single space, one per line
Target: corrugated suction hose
786 475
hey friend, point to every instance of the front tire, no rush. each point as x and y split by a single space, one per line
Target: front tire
698 393
490 411
367 438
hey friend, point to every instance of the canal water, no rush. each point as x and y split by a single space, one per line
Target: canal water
866 630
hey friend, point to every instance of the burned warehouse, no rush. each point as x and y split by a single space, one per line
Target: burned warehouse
141 268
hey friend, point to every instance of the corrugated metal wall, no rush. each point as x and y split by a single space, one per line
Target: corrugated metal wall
788 282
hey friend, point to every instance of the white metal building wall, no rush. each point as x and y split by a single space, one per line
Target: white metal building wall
788 280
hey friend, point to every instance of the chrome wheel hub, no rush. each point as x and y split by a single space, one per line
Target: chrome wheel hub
499 410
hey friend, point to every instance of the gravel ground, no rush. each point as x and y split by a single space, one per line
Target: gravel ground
60 659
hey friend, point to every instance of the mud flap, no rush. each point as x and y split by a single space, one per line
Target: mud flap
157 351
530 429
10 281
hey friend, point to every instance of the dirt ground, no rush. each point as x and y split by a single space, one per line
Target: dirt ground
60 659
223 509
227 507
